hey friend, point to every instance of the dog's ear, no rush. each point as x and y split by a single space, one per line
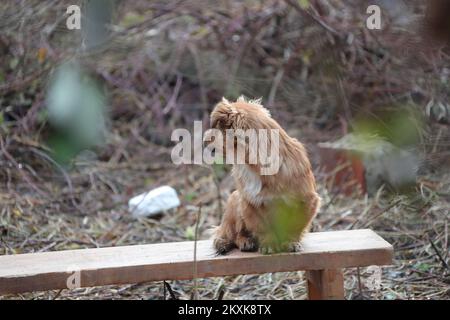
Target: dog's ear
255 102
223 115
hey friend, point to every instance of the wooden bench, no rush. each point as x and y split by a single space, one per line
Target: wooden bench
323 257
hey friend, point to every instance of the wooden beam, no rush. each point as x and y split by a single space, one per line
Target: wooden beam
174 261
325 284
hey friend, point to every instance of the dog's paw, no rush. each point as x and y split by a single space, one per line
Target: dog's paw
269 248
293 247
266 249
247 243
223 246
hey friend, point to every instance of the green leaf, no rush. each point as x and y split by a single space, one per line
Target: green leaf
304 4
13 63
131 19
191 196
149 181
424 267
190 233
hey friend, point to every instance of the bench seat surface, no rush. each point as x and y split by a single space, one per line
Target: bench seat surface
174 261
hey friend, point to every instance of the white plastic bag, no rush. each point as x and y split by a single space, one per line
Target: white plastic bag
154 202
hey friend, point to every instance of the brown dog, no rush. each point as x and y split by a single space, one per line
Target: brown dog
269 212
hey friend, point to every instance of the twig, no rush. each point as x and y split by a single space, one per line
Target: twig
58 294
444 263
312 16
64 173
359 282
274 88
164 290
381 212
20 169
221 294
172 294
195 292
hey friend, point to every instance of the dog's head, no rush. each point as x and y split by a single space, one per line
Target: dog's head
241 124
241 114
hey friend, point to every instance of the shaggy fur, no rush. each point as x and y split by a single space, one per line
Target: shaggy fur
266 212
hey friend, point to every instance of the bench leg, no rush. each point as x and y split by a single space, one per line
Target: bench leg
325 284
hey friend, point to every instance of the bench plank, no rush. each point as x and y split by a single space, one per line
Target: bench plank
174 261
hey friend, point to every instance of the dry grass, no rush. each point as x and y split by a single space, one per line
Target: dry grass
417 226
310 74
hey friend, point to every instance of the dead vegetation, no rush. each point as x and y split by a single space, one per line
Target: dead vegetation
317 68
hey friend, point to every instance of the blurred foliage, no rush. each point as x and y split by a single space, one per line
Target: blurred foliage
98 17
165 64
401 126
287 222
132 18
76 110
